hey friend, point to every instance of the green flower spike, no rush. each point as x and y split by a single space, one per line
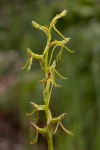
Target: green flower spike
48 66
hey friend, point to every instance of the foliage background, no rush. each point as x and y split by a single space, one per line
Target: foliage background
80 94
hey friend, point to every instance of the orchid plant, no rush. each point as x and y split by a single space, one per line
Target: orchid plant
48 65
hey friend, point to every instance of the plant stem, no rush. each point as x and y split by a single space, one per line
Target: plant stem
50 140
49 135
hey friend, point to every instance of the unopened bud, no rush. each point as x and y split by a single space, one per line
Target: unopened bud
63 13
35 25
55 19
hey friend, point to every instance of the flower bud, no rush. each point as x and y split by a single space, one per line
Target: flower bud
55 19
63 13
35 25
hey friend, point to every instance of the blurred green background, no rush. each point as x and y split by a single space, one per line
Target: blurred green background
80 94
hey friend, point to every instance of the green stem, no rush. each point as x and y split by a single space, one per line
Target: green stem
47 94
50 140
